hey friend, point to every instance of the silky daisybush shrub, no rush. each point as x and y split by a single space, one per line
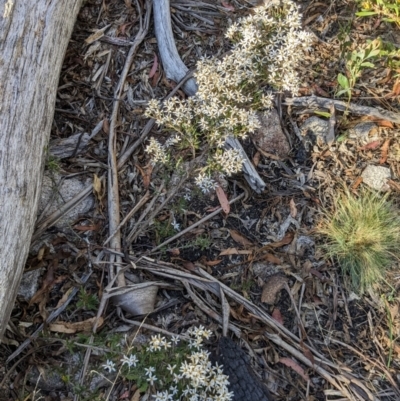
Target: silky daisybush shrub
267 47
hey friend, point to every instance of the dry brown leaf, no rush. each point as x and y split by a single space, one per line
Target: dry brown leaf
48 282
271 288
64 298
146 174
97 188
96 35
136 396
239 238
212 262
189 265
371 146
384 151
293 208
307 353
223 200
154 67
357 183
234 251
70 328
396 88
106 126
276 315
287 239
228 6
256 158
295 366
385 123
238 315
394 185
269 257
96 227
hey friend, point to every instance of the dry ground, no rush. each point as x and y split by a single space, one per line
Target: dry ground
354 339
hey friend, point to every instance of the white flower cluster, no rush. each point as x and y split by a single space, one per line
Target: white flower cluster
195 379
157 151
268 47
273 40
157 343
205 182
206 382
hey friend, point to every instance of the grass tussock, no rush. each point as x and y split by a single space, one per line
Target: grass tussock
362 234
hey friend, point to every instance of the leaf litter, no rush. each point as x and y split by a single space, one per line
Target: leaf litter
316 342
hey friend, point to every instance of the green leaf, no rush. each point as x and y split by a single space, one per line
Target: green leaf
365 13
343 81
341 138
343 91
373 53
323 113
367 64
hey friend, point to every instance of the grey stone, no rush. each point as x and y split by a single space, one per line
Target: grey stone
376 177
29 284
58 190
364 132
314 130
270 137
47 379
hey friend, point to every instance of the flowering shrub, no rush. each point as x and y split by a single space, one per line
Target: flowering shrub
267 48
175 372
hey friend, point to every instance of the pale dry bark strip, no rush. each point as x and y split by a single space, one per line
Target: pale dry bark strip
112 182
33 39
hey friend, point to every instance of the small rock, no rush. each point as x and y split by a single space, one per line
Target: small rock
273 285
304 243
270 137
376 177
29 284
314 130
57 191
364 132
46 379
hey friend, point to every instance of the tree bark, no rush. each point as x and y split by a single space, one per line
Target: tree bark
33 39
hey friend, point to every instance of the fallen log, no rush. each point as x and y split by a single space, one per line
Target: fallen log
33 39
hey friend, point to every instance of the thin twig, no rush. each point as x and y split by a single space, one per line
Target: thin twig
201 221
113 189
135 229
138 205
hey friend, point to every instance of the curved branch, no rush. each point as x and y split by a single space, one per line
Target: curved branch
174 67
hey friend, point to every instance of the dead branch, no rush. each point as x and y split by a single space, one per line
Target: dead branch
314 102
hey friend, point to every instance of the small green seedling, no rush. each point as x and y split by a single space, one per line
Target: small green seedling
389 10
356 61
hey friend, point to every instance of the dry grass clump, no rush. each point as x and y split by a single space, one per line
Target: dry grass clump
362 234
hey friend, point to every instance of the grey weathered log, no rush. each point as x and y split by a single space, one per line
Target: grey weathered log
175 69
33 39
315 102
